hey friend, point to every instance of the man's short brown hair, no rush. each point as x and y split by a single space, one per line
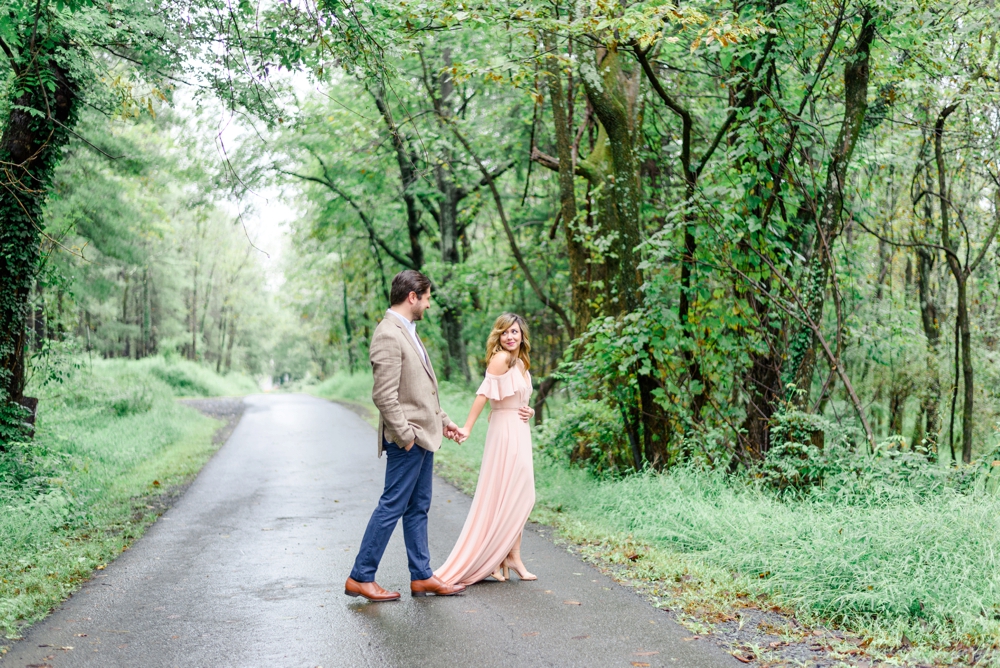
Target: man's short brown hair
405 282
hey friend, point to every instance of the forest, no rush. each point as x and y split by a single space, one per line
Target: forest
756 244
719 220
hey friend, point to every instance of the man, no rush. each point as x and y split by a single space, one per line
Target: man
410 427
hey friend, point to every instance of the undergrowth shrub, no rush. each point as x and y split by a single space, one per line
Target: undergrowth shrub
812 456
588 434
25 469
180 380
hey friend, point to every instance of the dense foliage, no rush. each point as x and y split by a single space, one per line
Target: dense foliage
711 214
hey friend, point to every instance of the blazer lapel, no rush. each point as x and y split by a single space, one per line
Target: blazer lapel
424 359
427 361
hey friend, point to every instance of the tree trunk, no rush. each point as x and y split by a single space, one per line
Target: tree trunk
614 97
456 363
802 348
147 315
544 390
961 275
347 329
222 340
232 340
575 252
30 148
126 349
968 384
406 161
193 353
930 400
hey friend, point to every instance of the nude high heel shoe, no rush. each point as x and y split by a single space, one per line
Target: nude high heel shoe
521 571
498 574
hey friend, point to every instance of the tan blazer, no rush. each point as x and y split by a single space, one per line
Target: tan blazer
405 390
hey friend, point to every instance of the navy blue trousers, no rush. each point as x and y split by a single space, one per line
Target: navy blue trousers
407 494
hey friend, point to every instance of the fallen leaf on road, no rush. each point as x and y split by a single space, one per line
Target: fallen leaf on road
468 611
572 603
174 637
548 591
81 635
101 567
580 637
780 643
533 633
745 657
640 663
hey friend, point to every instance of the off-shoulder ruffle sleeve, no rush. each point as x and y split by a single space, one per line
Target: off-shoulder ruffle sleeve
498 387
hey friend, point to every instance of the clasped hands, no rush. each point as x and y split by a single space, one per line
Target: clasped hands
456 433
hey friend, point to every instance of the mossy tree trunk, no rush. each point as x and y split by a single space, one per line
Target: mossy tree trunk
34 134
614 95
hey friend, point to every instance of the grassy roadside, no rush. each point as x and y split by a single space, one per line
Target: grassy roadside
912 578
111 442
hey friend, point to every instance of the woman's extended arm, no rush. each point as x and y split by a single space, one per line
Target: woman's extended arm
499 365
470 422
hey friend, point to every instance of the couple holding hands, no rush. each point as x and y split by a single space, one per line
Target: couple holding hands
411 426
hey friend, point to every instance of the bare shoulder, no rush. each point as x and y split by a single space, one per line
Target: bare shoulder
499 363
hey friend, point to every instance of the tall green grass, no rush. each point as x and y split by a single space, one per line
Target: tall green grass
343 386
927 569
110 438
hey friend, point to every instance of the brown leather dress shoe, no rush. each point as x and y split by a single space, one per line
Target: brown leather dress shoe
433 585
369 590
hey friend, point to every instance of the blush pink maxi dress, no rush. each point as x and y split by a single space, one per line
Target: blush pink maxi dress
505 493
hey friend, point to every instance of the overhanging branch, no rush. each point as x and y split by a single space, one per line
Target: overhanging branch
558 310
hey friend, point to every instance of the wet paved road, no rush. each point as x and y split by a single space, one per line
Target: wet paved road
248 569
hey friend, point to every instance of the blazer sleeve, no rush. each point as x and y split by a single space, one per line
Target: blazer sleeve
386 359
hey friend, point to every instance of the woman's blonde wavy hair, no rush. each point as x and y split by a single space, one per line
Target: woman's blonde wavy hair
502 324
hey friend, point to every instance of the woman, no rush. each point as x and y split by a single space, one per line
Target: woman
505 494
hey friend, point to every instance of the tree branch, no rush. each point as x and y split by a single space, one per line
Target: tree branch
495 174
558 310
685 116
368 222
989 237
10 57
552 163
